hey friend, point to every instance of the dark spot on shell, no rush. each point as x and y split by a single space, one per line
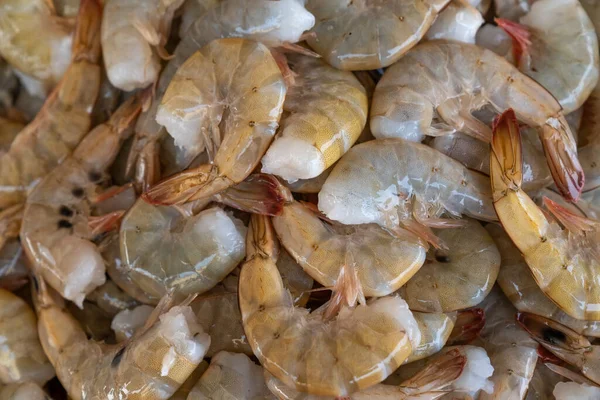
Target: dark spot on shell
254 89
78 192
115 361
443 258
543 239
63 223
261 307
276 335
65 211
94 176
251 123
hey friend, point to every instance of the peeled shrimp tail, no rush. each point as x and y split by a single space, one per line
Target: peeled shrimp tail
436 375
86 43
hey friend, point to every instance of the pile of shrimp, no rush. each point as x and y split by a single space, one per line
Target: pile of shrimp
299 199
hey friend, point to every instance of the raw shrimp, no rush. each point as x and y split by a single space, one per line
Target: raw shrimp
512 352
21 356
467 326
429 383
457 278
565 343
458 21
231 376
126 322
381 262
328 111
13 268
110 298
369 34
236 107
564 263
192 10
435 330
184 390
313 185
134 33
358 348
34 40
518 285
8 132
588 154
9 86
563 57
94 321
436 86
543 382
394 182
512 9
150 366
273 23
575 391
22 391
64 119
67 8
481 5
57 228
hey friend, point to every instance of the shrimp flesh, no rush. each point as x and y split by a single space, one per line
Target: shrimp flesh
327 112
126 322
134 33
57 228
64 118
394 182
369 34
356 349
22 358
435 330
453 79
458 21
457 278
564 263
575 391
22 391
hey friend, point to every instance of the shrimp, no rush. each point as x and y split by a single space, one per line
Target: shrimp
151 366
133 35
369 34
512 9
449 78
467 326
13 268
191 11
57 228
429 383
9 86
435 330
588 153
312 185
8 132
110 298
575 391
184 390
23 391
566 344
518 285
231 376
126 322
564 263
67 8
381 262
458 278
543 382
328 111
458 21
358 348
34 40
21 356
64 119
244 111
562 57
394 182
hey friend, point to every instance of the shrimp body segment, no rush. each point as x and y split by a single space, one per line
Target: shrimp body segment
369 34
328 111
435 330
357 349
446 81
235 109
564 263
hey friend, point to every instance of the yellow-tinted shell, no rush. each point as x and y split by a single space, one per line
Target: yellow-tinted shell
435 330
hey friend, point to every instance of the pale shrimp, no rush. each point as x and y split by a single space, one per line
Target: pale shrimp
64 119
565 343
369 34
512 352
22 358
191 10
23 391
435 87
575 391
153 364
588 153
459 21
430 382
231 376
543 383
273 23
134 33
512 9
34 40
380 261
184 390
356 349
327 113
57 228
564 263
435 331
313 185
126 322
481 5
110 298
457 278
394 182
562 57
518 285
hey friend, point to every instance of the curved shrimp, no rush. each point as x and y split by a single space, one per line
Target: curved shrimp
518 285
357 349
436 86
23 391
395 182
153 364
457 278
64 119
22 358
564 263
133 35
367 34
435 331
34 40
458 21
242 114
57 228
328 111
562 57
